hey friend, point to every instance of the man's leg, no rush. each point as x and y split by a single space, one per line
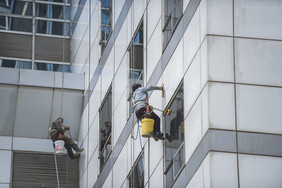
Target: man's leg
157 122
157 131
69 150
72 144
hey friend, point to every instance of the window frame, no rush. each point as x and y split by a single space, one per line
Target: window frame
130 174
166 23
182 145
131 70
109 92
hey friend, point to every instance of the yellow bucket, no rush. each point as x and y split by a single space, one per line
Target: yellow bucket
147 127
182 127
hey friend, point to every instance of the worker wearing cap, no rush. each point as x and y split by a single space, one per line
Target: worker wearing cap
57 132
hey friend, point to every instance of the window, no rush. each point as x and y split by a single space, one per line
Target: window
172 14
15 24
136 175
52 27
52 67
135 52
105 127
52 11
15 64
58 19
106 22
22 8
174 143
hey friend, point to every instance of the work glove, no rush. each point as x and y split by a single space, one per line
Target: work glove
67 127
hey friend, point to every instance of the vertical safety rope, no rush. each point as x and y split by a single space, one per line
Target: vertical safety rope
62 95
64 30
57 172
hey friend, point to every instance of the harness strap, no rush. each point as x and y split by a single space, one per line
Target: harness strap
139 102
147 105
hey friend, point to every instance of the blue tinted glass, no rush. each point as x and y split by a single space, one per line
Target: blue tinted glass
105 32
52 67
15 24
106 3
105 17
139 37
15 64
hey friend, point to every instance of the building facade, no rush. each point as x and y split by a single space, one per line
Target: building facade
220 64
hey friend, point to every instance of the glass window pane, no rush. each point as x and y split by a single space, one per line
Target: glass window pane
58 1
15 64
174 132
22 8
3 22
136 176
3 2
105 127
15 24
105 32
106 17
8 63
52 67
106 3
52 27
52 11
178 161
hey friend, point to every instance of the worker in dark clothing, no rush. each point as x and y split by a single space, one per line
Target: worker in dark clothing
57 132
139 99
174 126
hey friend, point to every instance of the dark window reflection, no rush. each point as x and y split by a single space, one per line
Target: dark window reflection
52 27
136 177
52 11
22 8
15 24
51 67
3 2
174 143
3 22
21 24
58 1
15 64
105 127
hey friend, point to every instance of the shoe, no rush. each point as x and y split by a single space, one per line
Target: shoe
81 150
167 136
158 136
75 157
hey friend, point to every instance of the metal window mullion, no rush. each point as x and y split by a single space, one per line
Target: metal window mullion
52 3
52 19
33 36
15 15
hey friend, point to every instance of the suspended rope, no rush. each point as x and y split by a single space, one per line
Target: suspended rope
57 172
62 94
63 71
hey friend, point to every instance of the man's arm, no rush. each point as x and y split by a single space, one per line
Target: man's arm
59 127
150 88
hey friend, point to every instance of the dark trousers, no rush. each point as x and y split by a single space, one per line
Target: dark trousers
142 111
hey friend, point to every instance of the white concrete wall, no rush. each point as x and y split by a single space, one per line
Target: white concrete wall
229 59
